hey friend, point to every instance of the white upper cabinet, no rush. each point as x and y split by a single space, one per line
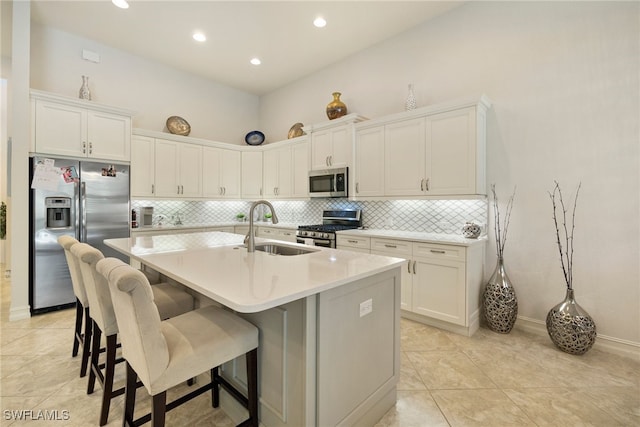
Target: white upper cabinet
405 158
77 128
251 175
178 169
332 142
143 166
368 177
277 172
300 156
432 151
453 165
220 173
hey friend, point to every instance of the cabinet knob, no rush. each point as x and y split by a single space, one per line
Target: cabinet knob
437 251
84 147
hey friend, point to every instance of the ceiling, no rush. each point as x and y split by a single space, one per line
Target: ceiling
280 33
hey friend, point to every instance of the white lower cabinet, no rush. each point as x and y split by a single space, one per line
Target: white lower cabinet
440 284
398 249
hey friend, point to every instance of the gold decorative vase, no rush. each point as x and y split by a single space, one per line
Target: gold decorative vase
336 108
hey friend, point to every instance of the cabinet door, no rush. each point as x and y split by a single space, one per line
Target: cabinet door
60 129
166 173
439 289
277 172
369 162
190 170
451 152
398 249
230 173
142 166
300 183
405 158
341 146
211 173
251 174
321 149
285 172
109 136
270 173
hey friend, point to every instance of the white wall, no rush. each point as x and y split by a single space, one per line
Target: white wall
564 81
155 92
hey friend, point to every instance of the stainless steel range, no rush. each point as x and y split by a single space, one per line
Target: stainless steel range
332 220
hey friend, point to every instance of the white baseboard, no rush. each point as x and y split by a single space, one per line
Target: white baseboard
19 313
603 342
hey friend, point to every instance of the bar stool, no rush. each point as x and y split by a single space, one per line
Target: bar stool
165 353
82 305
170 300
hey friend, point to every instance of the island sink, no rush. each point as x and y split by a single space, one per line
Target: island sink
277 249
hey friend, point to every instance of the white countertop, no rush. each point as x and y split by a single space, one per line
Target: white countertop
215 265
416 236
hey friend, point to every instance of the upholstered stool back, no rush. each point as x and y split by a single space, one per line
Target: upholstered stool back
97 288
143 344
74 269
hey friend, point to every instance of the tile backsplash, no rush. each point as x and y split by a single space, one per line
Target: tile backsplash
432 216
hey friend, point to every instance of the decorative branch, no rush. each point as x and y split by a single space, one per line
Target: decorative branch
563 233
501 235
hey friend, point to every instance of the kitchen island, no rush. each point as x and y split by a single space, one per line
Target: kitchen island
328 320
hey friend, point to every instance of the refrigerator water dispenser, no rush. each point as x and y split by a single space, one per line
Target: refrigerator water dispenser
58 211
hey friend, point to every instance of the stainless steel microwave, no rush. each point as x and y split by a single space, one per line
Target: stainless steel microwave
329 183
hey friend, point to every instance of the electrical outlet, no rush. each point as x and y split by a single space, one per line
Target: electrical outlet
366 307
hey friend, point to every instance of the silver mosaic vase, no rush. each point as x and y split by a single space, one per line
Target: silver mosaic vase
84 92
499 301
570 327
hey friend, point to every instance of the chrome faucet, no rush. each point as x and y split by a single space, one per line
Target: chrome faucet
249 240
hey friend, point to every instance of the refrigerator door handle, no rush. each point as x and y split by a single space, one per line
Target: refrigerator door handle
76 217
83 207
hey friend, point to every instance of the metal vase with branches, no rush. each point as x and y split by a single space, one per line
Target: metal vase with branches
499 297
570 327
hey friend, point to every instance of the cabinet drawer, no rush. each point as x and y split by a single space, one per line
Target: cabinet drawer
353 242
399 248
437 251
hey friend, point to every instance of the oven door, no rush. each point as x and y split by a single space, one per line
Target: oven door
323 243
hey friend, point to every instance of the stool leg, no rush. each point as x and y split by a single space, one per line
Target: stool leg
110 366
159 409
215 389
129 396
86 344
95 356
77 334
252 386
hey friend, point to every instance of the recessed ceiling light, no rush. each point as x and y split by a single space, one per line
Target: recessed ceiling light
255 61
319 22
122 4
199 37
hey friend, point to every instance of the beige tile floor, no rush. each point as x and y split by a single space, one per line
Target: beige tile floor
517 379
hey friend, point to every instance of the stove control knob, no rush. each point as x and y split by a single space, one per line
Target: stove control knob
302 233
311 233
325 235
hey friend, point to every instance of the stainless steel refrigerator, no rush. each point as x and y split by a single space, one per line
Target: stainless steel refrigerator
86 200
